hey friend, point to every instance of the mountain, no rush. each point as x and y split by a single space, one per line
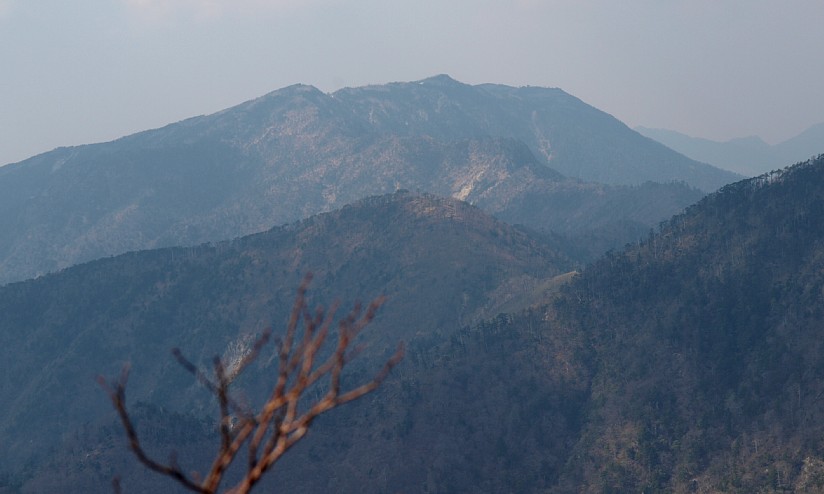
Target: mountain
692 362
705 360
297 152
806 144
442 264
567 134
689 362
747 156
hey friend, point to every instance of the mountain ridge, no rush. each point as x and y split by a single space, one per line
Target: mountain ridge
748 156
689 361
711 322
419 250
297 151
531 118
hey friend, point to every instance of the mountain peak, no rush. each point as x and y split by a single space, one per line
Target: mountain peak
288 91
440 80
298 151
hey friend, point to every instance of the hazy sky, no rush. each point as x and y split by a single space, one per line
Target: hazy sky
82 71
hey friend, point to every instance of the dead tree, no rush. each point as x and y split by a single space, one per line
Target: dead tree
284 419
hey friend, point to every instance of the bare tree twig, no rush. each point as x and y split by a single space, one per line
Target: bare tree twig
117 393
283 419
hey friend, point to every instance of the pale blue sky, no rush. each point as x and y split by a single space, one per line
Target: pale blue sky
82 71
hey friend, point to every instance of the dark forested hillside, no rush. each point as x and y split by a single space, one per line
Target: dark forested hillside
442 263
690 362
708 369
297 152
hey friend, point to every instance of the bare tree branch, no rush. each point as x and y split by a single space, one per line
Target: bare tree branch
282 420
117 393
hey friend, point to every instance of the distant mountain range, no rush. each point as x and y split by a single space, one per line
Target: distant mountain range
747 156
519 153
689 362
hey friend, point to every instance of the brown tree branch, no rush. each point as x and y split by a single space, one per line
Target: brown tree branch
279 424
117 393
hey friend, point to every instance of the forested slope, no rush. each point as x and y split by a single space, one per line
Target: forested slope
690 362
708 371
442 263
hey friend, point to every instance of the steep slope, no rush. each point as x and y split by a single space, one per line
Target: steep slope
297 151
567 134
691 362
708 367
442 263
